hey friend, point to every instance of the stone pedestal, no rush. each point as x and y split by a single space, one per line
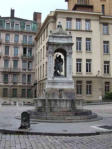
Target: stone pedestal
57 100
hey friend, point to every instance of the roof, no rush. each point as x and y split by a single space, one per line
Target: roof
16 19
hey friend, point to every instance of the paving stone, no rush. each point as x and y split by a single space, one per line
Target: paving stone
56 142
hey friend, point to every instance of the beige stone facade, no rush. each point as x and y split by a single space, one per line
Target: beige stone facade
17 56
96 5
92 66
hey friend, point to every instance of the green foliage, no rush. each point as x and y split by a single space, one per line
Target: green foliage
108 96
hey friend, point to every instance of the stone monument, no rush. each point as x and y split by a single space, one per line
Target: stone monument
59 92
58 100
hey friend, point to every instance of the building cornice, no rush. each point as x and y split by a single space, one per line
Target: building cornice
106 17
19 31
77 12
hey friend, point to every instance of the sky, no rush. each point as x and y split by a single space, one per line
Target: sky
25 8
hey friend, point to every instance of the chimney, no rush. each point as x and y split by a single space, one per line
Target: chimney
37 18
12 13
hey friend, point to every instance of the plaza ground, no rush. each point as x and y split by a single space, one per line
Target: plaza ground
8 121
55 142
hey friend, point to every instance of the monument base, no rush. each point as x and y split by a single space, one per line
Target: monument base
61 110
60 105
56 100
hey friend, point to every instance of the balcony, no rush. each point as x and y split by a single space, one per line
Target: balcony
6 70
29 57
9 70
83 5
27 43
5 81
15 57
15 70
6 56
7 42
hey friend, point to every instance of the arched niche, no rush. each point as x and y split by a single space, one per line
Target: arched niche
60 62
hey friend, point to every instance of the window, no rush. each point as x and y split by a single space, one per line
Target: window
7 37
29 52
106 47
103 9
7 50
88 65
44 35
47 31
68 23
7 25
78 43
40 73
87 25
29 78
24 51
24 65
14 92
78 65
29 93
88 44
23 93
28 27
25 39
46 69
83 2
106 67
43 70
79 87
43 51
78 24
16 26
15 51
5 92
16 38
12 25
24 78
1 23
107 87
30 39
15 64
5 78
105 29
6 63
40 54
88 87
29 65
15 78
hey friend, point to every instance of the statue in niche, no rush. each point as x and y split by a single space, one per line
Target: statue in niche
58 68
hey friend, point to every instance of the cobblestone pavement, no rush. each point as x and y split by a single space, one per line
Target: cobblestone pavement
7 120
55 142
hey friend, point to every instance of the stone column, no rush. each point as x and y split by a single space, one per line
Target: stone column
50 67
69 65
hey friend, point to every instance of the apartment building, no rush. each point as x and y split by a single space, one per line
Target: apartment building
103 6
17 55
91 30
